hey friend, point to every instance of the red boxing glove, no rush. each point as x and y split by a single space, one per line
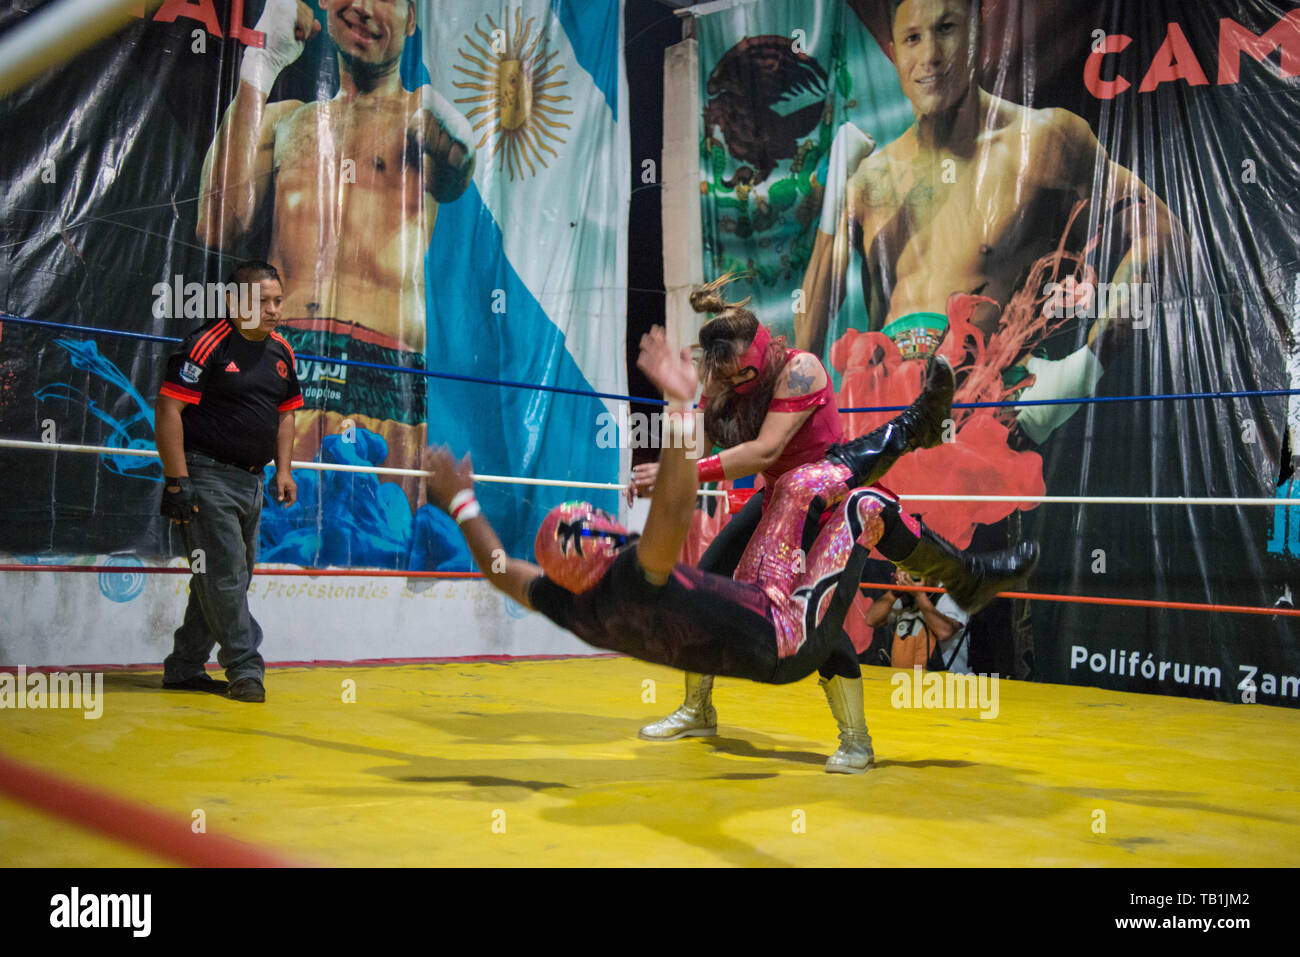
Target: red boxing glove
710 469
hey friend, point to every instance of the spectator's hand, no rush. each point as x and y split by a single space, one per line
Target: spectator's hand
643 481
178 500
446 476
286 489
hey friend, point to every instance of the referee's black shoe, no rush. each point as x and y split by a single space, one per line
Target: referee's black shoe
247 689
197 683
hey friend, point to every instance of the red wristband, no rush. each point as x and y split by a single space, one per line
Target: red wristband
710 469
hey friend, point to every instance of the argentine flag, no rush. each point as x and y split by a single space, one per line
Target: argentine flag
526 272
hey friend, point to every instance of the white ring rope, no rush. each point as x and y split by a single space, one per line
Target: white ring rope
58 33
565 483
1101 499
327 466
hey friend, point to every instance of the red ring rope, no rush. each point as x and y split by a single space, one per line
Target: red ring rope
388 573
1093 600
127 821
182 570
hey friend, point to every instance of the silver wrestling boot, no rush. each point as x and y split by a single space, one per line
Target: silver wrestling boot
695 718
855 755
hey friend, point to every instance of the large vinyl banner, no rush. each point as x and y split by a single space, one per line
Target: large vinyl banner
326 139
1067 198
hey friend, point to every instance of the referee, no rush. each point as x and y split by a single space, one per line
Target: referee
224 410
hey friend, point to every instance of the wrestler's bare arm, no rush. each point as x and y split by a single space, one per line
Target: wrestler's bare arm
237 170
875 199
515 575
446 478
748 458
1151 227
1155 236
822 291
673 503
824 282
1065 155
236 176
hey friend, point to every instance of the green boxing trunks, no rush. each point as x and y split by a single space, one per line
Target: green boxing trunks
917 334
332 386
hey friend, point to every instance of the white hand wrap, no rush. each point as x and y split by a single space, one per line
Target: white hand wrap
263 64
1075 375
450 118
849 148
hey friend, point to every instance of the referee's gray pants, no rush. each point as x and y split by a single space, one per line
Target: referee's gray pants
224 533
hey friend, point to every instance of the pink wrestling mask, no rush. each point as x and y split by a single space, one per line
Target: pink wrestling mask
755 357
577 543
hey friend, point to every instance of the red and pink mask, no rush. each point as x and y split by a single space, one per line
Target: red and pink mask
755 357
577 543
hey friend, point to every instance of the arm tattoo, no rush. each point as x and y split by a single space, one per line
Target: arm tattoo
800 384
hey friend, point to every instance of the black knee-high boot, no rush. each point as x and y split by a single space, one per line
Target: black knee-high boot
919 427
972 579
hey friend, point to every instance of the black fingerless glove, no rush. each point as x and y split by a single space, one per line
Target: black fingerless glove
179 504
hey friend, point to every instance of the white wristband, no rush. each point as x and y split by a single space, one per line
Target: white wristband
464 506
469 511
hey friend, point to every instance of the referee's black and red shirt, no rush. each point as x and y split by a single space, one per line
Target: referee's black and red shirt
234 389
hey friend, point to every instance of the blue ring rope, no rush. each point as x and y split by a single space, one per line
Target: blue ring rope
1011 403
93 330
1090 400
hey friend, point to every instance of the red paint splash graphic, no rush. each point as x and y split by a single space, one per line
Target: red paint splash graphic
980 461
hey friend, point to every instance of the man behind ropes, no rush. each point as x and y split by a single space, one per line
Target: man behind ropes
352 186
926 631
224 410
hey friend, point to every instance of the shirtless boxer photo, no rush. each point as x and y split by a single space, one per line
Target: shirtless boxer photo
351 186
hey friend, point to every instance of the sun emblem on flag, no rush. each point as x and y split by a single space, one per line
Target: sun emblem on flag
517 93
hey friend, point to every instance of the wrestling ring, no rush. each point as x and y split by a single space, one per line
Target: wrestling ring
505 761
